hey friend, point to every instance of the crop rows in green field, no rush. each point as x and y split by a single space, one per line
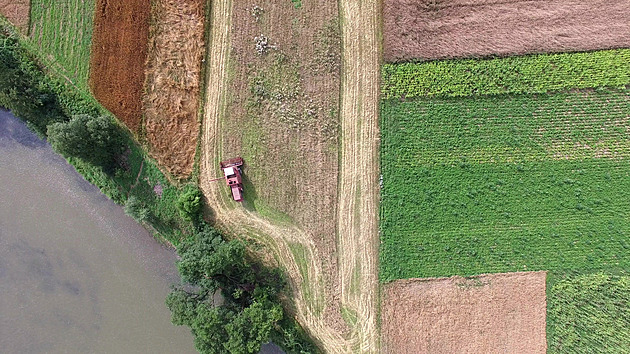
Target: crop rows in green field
523 74
62 32
505 183
588 313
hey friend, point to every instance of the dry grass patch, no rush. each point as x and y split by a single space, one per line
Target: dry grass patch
119 52
500 313
282 117
171 100
17 12
436 29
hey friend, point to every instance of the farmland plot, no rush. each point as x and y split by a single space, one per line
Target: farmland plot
119 53
588 313
505 183
171 99
497 313
430 29
62 32
17 12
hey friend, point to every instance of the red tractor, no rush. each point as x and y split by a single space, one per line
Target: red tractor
232 172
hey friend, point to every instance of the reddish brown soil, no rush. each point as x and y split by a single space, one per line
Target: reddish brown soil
171 100
436 29
17 12
500 313
119 52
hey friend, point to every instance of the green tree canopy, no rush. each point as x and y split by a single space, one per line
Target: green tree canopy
247 315
95 140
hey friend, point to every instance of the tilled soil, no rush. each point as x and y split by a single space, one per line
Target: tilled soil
172 86
438 29
17 12
119 52
500 313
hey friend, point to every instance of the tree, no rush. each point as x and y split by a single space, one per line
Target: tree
96 140
189 203
247 317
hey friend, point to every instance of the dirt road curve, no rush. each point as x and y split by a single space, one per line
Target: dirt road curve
358 195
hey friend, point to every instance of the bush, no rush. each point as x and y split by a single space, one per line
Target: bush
98 140
189 203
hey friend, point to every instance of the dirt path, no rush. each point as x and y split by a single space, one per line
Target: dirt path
358 178
357 218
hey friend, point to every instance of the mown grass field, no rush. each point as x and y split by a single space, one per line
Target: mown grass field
505 183
62 32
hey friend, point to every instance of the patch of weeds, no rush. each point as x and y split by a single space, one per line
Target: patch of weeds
349 315
328 49
297 3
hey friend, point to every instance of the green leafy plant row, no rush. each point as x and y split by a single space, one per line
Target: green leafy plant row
505 183
62 32
588 313
523 74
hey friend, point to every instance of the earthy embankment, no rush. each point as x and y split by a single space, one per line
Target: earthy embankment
119 52
427 29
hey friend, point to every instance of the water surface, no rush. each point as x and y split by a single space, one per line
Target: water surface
76 274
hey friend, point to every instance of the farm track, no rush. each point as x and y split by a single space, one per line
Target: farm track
358 180
358 193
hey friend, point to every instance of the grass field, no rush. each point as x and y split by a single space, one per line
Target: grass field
505 183
62 33
588 313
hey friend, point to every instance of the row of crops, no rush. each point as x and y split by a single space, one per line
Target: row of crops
525 74
62 32
505 183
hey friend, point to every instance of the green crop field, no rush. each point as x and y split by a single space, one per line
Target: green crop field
524 74
62 32
588 313
505 183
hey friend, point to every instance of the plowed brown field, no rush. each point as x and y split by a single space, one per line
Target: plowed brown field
500 313
119 52
436 29
171 100
17 12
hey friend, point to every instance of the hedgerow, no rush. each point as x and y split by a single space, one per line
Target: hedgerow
522 74
505 183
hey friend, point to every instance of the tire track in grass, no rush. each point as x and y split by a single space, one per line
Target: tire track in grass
358 184
357 221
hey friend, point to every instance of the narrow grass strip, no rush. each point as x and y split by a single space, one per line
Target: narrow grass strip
523 74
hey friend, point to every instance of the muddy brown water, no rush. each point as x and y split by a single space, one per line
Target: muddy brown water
76 274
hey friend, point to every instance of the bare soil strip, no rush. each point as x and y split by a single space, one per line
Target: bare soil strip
17 12
119 52
499 313
173 70
359 173
430 29
358 188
